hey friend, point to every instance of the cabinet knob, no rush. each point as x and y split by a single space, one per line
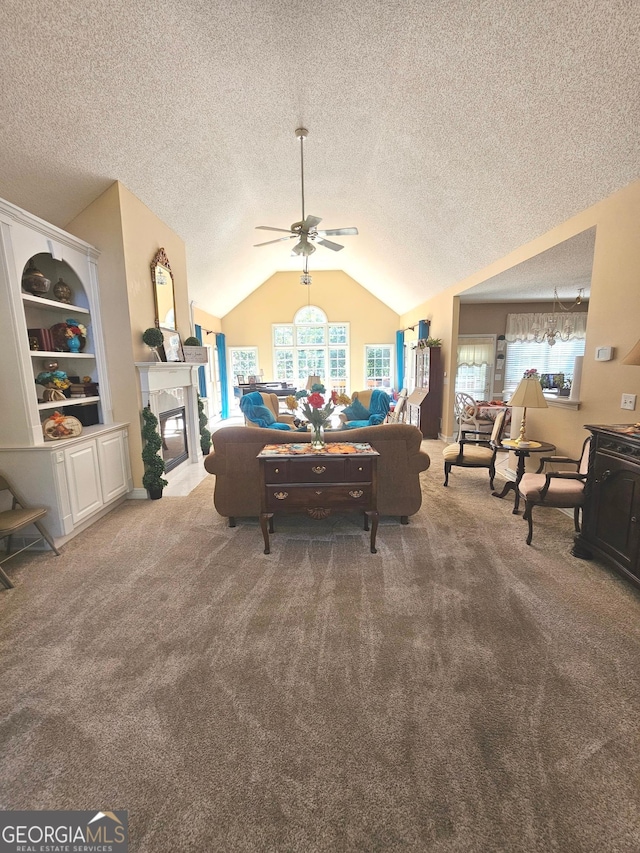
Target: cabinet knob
634 519
319 469
605 476
277 470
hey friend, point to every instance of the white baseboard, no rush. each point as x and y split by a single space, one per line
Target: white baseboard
138 495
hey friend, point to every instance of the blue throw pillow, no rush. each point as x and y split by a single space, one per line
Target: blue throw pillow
356 411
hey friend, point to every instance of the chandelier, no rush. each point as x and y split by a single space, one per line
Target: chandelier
305 278
557 328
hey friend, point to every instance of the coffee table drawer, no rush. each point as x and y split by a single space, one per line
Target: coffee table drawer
343 496
316 470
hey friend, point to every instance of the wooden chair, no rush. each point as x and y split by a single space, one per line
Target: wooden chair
466 414
12 520
475 452
558 489
399 411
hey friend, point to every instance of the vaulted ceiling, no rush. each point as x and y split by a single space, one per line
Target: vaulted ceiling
449 132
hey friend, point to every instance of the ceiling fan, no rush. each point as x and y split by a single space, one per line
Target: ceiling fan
306 231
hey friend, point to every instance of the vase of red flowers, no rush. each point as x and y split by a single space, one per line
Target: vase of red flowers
317 411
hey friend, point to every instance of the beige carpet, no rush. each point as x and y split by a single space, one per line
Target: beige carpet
458 691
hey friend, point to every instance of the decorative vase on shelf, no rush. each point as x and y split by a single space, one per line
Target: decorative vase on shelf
62 292
74 343
33 281
317 437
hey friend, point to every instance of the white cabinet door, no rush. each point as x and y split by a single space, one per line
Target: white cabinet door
114 468
83 477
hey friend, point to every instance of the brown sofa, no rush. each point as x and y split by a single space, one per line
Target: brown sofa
237 489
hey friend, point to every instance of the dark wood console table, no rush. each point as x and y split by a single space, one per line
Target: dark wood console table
611 514
296 478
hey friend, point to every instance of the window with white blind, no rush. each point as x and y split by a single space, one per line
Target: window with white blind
523 355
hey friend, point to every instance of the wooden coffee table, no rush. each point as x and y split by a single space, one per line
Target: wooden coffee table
297 479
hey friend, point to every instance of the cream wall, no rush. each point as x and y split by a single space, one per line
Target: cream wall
336 293
128 235
207 321
614 312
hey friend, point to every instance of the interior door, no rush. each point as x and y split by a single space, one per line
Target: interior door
476 365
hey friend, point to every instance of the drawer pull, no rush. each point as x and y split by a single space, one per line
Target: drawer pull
277 470
281 495
605 475
356 493
319 469
318 491
633 519
359 467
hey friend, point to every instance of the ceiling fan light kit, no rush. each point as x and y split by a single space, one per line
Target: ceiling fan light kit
306 230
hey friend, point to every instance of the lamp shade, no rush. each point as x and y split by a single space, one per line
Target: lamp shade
634 356
529 394
313 380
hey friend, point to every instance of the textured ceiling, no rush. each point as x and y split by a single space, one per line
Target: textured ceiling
448 132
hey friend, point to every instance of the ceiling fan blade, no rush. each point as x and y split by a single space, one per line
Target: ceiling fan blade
335 232
329 245
310 222
277 240
269 228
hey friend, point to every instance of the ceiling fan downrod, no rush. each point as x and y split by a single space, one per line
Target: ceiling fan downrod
301 134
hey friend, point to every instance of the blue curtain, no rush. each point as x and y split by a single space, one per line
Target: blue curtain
202 382
224 381
423 329
399 359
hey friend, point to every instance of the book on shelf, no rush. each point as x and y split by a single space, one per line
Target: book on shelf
40 340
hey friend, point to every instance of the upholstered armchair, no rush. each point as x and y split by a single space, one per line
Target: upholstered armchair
559 489
477 452
368 408
262 409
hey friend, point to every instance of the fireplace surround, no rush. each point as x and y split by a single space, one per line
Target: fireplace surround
170 386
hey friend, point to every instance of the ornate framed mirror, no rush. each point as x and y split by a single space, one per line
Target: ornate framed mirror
162 279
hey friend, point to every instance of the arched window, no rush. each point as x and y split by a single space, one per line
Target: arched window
312 346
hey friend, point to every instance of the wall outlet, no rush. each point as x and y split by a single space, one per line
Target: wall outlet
628 401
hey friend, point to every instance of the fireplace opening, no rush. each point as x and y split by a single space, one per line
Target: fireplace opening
173 432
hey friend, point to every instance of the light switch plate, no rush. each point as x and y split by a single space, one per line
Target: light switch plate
628 401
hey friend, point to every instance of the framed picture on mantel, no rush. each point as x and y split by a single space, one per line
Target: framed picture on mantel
172 346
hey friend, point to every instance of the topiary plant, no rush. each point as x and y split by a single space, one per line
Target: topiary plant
152 479
192 342
153 337
205 435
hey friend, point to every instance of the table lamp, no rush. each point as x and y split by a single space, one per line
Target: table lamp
313 380
529 395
